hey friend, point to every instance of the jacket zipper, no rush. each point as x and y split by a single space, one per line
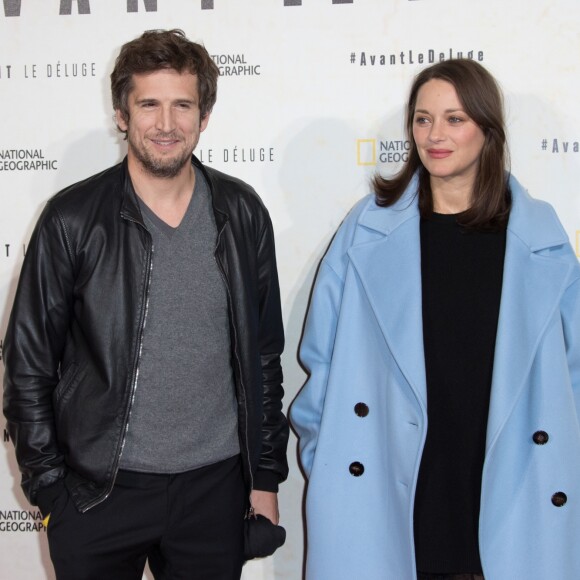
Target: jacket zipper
134 381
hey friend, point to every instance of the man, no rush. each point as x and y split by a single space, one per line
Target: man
143 380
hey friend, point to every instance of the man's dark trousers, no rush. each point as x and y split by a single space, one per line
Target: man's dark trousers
189 526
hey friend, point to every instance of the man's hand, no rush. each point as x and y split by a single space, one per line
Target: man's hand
265 503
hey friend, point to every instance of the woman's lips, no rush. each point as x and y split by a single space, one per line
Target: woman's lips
439 153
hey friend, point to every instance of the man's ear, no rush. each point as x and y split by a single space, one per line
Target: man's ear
203 123
120 120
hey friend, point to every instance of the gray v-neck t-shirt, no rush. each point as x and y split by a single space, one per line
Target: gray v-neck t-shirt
184 413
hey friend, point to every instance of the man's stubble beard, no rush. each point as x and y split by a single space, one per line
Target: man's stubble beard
163 168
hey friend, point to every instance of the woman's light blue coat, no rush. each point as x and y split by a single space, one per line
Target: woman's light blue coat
363 343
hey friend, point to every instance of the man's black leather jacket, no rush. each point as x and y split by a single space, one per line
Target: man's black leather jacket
73 342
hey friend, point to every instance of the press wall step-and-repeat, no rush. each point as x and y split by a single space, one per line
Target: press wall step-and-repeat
310 106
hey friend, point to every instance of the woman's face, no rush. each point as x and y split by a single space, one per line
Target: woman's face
448 141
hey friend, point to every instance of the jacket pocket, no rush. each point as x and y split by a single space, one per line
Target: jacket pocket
64 386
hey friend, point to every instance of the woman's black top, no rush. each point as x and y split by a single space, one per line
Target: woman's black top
462 275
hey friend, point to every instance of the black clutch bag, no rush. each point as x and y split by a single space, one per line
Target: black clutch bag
261 537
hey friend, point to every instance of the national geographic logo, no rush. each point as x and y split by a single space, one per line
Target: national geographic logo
411 57
25 160
236 155
578 243
235 65
21 521
373 151
561 146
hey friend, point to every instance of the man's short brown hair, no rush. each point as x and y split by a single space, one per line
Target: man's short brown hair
156 50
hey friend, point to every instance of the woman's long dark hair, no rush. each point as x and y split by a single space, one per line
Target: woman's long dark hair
482 100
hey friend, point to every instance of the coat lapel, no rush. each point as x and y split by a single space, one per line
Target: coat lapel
533 284
389 267
386 254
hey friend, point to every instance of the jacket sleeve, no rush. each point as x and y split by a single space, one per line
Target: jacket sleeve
32 351
272 465
570 312
316 355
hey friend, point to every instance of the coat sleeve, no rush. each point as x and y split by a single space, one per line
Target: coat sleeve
570 311
317 347
316 356
32 351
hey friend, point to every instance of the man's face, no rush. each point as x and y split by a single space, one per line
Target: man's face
164 121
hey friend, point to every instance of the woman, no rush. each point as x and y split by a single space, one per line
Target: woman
439 428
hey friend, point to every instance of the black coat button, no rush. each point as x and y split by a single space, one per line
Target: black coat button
540 437
559 498
361 409
356 468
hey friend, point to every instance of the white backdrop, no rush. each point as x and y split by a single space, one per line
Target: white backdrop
310 104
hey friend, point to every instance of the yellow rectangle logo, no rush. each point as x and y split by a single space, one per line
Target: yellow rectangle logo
366 151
